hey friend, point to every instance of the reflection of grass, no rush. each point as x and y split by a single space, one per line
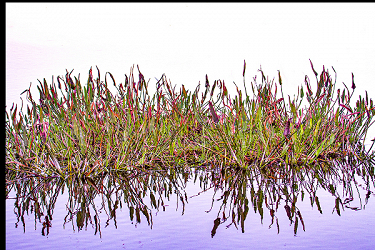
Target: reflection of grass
91 199
237 195
238 191
88 130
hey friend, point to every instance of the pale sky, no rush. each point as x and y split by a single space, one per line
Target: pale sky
186 41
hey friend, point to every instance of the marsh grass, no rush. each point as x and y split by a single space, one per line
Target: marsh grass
86 129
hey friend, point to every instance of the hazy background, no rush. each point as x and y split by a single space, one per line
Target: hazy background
188 40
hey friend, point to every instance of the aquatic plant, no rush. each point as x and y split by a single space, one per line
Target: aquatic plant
87 130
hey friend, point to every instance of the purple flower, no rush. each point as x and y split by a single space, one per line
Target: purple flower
287 127
213 113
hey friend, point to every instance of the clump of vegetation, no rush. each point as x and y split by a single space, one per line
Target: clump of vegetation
86 130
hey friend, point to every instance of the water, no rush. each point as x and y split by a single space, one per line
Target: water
95 213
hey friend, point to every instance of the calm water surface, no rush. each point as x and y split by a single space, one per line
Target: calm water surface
200 209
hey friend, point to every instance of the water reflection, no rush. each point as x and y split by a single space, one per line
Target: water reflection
139 191
269 192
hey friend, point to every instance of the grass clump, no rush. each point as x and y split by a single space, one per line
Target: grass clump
86 129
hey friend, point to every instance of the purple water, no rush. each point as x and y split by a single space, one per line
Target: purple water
190 226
